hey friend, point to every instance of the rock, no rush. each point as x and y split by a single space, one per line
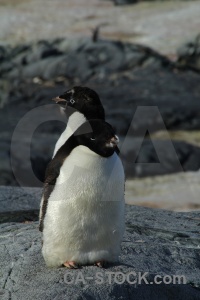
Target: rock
71 59
191 137
177 192
126 76
127 2
123 2
153 158
189 54
19 204
156 242
158 157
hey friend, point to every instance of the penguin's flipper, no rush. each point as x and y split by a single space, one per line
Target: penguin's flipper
52 172
117 150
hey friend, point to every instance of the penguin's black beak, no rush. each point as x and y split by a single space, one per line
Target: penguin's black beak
59 100
114 141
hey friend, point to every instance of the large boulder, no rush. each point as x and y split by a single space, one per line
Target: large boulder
82 59
19 204
156 243
126 76
177 192
158 157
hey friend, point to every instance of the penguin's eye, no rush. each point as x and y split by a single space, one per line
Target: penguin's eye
72 101
92 138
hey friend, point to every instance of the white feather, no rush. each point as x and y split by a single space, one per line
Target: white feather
84 221
75 121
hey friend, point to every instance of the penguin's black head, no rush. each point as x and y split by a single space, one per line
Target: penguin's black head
83 100
97 135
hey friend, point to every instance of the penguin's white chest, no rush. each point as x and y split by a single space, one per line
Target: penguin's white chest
84 221
75 120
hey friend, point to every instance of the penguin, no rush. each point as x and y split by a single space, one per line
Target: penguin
79 104
83 219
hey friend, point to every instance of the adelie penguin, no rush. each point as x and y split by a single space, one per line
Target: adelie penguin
82 218
79 104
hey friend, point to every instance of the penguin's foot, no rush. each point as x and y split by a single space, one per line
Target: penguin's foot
71 265
101 264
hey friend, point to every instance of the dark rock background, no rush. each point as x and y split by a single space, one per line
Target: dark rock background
125 75
189 54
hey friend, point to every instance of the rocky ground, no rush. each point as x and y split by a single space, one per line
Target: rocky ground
156 242
177 192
